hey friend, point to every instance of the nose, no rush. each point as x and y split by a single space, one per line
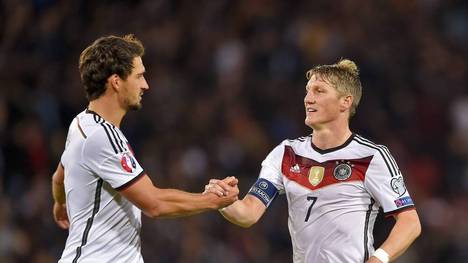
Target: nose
308 98
145 85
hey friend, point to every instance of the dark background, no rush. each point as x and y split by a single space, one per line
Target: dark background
227 84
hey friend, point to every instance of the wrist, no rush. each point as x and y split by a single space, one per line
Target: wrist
211 201
382 255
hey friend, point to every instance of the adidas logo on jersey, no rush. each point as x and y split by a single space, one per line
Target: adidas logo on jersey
295 169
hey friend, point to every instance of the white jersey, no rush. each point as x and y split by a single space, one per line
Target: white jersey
98 161
334 196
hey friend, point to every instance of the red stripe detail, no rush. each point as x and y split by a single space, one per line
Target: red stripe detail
290 159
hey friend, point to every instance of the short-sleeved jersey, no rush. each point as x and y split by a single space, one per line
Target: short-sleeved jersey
334 196
98 161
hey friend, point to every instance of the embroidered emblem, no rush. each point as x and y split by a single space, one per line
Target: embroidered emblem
127 162
398 186
342 171
404 201
263 185
316 175
295 169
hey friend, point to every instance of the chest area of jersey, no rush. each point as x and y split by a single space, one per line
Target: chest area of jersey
315 175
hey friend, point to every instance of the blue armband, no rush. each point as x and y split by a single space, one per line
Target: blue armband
264 190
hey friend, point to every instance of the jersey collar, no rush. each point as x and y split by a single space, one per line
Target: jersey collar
92 112
317 149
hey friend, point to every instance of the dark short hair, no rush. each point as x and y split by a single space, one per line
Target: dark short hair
107 56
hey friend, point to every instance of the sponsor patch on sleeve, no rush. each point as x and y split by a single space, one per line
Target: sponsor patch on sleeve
264 190
404 201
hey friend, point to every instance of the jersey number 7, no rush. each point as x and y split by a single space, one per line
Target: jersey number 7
313 199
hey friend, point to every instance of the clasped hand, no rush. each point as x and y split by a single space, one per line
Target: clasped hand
226 188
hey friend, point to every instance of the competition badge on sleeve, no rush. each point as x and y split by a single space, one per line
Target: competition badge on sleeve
127 162
398 186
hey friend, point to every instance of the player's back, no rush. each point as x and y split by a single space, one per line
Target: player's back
104 226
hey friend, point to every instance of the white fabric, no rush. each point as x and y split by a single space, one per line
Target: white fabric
104 226
342 214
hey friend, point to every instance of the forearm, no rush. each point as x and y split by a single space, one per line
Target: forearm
237 214
406 229
176 203
58 192
245 212
58 187
156 202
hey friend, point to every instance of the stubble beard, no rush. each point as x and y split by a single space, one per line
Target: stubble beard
133 106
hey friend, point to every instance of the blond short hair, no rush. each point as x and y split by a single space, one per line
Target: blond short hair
344 77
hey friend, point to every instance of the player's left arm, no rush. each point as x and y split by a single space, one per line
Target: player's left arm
58 193
406 229
384 181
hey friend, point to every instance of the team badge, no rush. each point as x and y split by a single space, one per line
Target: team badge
316 175
342 171
398 186
127 162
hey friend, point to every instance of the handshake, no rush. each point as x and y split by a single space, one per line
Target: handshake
225 192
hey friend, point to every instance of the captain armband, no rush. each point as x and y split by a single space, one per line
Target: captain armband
264 190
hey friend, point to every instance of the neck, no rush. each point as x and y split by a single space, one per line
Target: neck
108 109
330 137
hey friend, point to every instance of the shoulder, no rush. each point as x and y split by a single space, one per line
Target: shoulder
295 144
298 141
384 157
103 137
298 145
370 145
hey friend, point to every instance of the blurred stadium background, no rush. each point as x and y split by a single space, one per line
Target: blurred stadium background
227 84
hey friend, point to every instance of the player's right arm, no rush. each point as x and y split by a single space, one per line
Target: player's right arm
251 208
58 193
157 202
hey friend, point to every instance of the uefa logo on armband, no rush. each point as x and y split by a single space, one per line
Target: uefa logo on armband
128 163
263 185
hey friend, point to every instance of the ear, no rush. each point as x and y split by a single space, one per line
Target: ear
346 102
114 82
